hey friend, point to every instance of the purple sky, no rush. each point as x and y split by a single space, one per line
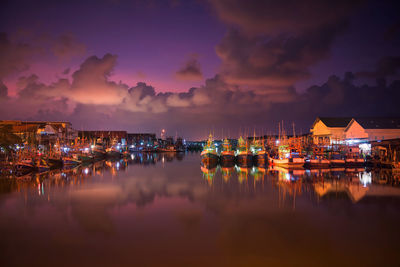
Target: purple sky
122 64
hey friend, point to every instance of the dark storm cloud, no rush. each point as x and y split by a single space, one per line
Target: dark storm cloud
277 17
3 90
15 56
274 61
67 46
273 43
191 71
386 67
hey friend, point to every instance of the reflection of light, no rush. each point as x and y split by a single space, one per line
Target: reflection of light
287 176
287 155
86 149
117 165
86 170
132 157
365 178
92 146
277 141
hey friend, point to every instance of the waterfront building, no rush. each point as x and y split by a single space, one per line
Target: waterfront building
328 130
42 132
373 129
141 138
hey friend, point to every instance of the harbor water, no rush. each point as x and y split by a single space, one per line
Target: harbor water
167 210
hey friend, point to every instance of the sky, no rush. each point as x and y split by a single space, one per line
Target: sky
192 67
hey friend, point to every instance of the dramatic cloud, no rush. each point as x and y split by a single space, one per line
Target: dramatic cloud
91 101
15 57
67 46
3 90
18 54
387 66
273 44
277 17
191 70
273 62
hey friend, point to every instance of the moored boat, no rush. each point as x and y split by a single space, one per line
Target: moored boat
318 162
209 154
227 155
243 155
354 162
290 162
70 161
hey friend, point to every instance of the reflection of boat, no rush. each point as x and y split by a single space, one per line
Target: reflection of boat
227 173
209 154
208 173
243 173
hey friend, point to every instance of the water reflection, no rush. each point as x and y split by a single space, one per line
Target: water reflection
126 211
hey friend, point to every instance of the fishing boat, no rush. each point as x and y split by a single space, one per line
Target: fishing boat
24 165
260 155
287 158
71 160
112 152
98 151
244 155
227 155
290 162
336 161
209 154
42 165
318 162
354 161
55 162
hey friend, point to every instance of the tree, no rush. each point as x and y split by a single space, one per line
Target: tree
8 139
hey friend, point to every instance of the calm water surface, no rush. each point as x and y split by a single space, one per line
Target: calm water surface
166 210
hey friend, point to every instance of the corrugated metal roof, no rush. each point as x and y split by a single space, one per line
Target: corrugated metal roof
379 123
336 121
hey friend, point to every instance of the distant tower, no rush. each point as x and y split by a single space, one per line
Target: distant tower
163 134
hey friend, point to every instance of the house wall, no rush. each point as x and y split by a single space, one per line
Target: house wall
323 134
356 131
382 134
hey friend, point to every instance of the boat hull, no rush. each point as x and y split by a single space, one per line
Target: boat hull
245 159
317 163
288 163
227 158
355 162
67 161
261 159
337 162
209 158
